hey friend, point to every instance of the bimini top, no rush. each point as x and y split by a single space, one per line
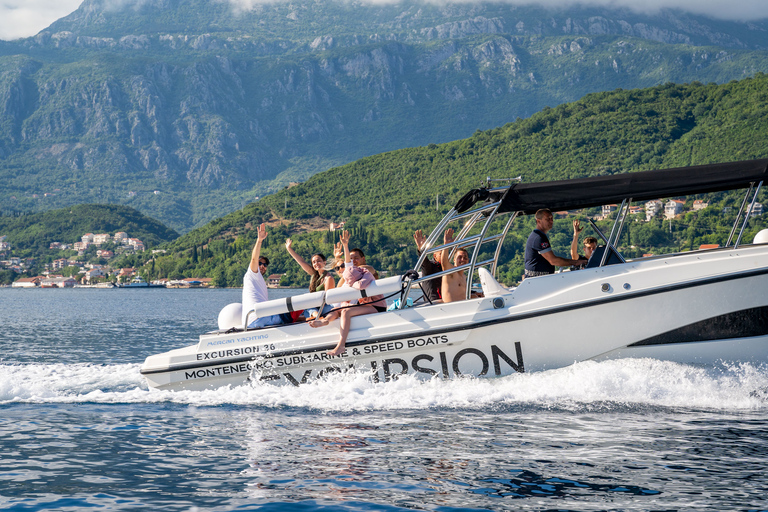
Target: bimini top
640 186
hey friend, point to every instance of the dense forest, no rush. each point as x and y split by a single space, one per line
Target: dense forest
384 198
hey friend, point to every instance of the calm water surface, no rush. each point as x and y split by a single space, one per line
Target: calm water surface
79 429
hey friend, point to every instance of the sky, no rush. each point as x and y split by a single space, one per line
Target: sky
24 18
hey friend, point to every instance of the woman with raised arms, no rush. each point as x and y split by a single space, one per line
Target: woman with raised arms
320 276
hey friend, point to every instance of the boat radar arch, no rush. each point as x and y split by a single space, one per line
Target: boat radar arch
230 316
761 237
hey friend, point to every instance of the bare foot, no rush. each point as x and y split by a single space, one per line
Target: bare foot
338 350
318 322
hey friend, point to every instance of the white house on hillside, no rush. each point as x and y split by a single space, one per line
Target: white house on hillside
101 238
673 208
652 208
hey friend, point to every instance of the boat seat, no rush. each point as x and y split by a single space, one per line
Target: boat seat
491 286
597 256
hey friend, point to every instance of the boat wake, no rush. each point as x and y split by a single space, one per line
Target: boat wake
608 385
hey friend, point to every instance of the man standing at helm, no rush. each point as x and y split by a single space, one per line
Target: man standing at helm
540 259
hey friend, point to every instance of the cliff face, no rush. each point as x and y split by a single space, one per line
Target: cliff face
185 109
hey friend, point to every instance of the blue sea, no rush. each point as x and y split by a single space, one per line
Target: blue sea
79 430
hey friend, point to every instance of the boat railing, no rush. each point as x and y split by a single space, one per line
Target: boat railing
748 215
453 270
464 240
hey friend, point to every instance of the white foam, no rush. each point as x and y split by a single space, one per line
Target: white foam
627 382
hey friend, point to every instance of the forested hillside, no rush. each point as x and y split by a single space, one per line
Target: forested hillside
189 109
384 198
30 235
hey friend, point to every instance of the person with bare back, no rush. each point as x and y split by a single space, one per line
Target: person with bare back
454 286
356 277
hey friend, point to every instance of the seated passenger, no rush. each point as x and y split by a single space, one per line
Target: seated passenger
430 288
590 244
359 278
320 279
254 287
454 286
358 260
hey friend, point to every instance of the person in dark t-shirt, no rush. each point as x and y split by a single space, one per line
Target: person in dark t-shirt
540 259
431 288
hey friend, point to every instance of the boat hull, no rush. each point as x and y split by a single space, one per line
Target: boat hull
697 308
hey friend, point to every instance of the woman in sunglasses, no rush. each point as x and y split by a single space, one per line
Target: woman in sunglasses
320 276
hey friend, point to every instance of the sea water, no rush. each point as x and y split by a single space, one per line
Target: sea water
80 430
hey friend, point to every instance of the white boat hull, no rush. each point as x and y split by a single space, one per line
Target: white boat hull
698 307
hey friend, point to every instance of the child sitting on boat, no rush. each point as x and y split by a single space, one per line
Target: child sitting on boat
359 278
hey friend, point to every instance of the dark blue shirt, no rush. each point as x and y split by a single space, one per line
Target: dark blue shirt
537 244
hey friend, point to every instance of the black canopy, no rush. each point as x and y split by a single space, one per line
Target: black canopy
640 186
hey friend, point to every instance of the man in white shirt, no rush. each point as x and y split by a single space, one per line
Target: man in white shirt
254 286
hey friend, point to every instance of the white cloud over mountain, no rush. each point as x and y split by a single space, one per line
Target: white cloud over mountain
23 18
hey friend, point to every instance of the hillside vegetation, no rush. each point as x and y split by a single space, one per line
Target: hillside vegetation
188 109
31 234
384 198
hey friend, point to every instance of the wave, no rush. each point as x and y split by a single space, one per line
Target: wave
607 385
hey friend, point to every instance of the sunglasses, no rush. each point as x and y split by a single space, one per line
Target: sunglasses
338 267
262 264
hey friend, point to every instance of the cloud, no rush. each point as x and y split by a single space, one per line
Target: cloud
738 10
24 18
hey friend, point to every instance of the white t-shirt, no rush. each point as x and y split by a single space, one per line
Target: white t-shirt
254 291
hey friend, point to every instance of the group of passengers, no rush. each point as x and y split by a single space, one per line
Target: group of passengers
352 271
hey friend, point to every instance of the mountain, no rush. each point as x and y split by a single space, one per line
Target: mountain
189 109
384 198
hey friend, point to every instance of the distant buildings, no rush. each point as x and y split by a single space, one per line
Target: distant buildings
59 264
652 208
101 238
57 282
608 209
673 208
698 204
120 238
27 282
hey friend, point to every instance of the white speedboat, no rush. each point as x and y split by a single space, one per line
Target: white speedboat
698 307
